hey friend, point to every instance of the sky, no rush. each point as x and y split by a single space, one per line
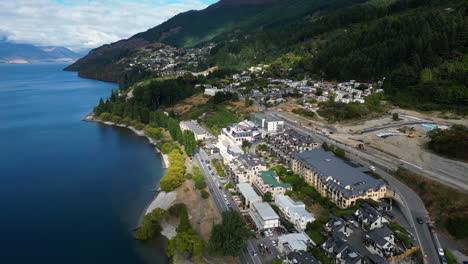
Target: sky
85 24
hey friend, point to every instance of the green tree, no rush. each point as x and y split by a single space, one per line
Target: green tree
204 194
184 224
227 238
267 197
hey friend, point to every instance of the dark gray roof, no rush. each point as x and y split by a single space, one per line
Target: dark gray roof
302 257
326 164
251 160
379 234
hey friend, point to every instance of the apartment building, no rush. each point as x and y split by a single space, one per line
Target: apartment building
268 181
264 216
295 212
247 195
282 146
336 179
245 168
270 124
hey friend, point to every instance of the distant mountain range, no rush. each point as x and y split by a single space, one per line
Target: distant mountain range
26 53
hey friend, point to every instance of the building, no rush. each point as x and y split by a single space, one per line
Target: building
341 252
369 217
240 132
245 168
270 124
264 216
301 257
247 195
336 179
294 242
199 132
295 212
381 241
268 181
282 146
212 91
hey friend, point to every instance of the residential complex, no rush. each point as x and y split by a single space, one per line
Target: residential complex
283 145
264 216
247 195
294 242
245 168
295 212
268 181
333 178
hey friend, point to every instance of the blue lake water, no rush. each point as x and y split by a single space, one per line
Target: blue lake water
70 191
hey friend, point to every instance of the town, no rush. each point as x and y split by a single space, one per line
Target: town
352 218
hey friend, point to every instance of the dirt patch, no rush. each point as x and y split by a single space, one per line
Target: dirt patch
188 104
211 217
188 196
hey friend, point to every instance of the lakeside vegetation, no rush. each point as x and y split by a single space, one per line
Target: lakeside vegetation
445 204
175 174
150 225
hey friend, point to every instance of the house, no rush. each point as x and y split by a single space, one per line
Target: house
369 217
276 101
341 251
245 168
294 242
336 179
337 226
268 181
199 132
247 195
264 216
381 241
270 124
301 257
295 212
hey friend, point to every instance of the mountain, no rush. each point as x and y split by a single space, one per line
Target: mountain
26 53
417 46
218 22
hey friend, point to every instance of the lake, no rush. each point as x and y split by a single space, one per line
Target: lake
70 191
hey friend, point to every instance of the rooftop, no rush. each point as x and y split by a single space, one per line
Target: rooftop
296 241
350 180
265 211
248 192
196 128
268 177
302 257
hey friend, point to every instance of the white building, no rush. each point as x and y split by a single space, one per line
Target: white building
264 216
239 132
295 212
199 132
268 123
212 91
294 242
245 168
247 195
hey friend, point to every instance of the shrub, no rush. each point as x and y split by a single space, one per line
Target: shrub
105 117
204 194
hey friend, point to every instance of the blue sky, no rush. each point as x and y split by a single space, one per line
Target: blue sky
84 24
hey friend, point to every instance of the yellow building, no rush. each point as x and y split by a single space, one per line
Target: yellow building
336 179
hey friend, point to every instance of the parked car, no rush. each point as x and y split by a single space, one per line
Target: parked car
354 223
420 220
254 253
268 250
443 260
372 168
441 251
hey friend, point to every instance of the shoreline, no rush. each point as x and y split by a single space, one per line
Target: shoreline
161 199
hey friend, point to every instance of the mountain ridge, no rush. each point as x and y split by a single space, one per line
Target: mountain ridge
11 52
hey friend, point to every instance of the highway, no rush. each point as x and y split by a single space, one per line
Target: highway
411 203
212 182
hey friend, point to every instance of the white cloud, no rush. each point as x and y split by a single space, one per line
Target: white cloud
81 24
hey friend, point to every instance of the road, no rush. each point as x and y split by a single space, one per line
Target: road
212 182
411 203
390 161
